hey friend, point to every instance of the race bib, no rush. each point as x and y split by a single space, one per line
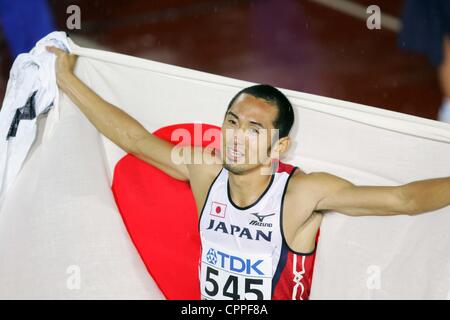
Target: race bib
226 274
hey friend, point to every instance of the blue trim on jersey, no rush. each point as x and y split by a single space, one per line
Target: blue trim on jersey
280 267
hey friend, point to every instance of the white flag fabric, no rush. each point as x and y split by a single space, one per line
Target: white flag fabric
62 237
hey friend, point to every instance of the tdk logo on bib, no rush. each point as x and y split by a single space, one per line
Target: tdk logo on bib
233 263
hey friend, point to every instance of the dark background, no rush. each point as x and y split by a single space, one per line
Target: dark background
294 44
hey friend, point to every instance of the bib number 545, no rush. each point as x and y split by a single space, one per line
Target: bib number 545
231 286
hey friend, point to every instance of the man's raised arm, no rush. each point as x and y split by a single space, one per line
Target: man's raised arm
114 123
413 198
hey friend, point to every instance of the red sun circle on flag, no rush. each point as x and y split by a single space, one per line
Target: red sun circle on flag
161 216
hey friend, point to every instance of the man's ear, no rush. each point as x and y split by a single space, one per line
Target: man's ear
280 147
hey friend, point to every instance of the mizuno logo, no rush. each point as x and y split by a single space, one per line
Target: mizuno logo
261 217
260 224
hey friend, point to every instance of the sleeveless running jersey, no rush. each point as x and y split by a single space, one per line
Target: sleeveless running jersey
244 253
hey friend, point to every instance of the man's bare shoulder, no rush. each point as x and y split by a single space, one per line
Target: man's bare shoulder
299 208
306 186
313 187
301 179
204 164
202 173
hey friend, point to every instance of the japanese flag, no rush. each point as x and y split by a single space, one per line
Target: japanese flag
85 220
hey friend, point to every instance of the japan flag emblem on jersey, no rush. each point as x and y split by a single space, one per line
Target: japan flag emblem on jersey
218 209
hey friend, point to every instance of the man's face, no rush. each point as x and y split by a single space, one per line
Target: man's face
248 133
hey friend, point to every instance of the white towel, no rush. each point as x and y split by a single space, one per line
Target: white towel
31 90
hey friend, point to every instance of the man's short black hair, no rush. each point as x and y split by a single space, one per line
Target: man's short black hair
285 117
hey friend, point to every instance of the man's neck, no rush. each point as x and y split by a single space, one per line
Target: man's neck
245 189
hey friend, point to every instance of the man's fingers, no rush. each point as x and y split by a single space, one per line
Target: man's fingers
51 49
65 62
55 50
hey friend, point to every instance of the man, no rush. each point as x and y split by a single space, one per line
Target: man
258 222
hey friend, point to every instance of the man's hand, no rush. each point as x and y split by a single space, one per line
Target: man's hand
65 63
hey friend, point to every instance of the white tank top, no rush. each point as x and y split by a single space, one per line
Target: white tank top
242 246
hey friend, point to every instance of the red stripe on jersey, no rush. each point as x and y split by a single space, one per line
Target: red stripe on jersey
295 278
